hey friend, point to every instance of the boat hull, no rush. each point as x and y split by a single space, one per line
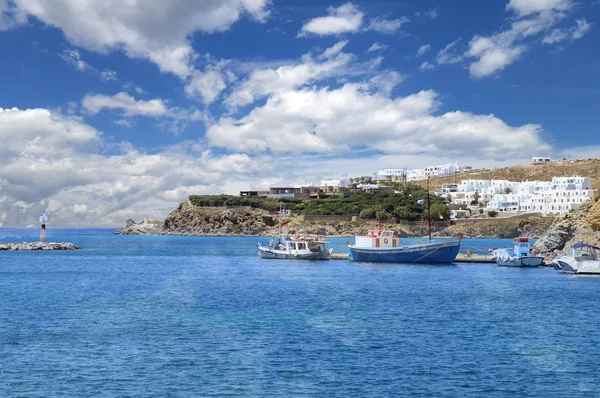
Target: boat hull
429 253
265 252
587 268
522 262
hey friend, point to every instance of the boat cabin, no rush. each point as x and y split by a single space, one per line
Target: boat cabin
377 238
301 244
583 252
522 247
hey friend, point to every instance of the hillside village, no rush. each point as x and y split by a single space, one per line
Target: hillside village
542 187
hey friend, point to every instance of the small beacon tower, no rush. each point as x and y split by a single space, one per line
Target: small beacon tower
43 220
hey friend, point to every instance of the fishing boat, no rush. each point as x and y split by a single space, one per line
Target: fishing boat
379 245
518 256
581 259
297 247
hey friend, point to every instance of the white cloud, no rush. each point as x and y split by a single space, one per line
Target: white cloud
262 82
326 120
424 49
377 47
431 14
157 31
80 208
426 66
533 17
576 32
94 104
73 57
449 54
54 162
386 26
107 75
10 15
346 18
527 7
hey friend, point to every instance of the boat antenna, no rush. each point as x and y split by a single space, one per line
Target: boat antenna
379 221
428 210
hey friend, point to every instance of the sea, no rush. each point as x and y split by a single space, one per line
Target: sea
169 316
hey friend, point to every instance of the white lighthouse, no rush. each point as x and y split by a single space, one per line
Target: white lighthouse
43 221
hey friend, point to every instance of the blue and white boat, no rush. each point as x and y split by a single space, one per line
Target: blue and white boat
384 246
298 247
517 257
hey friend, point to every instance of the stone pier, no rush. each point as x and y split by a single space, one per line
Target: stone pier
27 246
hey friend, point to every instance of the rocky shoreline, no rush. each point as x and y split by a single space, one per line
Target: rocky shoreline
29 246
581 225
189 220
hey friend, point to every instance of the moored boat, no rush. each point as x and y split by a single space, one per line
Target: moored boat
379 245
384 246
519 256
298 247
581 259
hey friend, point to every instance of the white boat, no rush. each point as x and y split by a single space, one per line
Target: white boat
298 247
295 248
581 259
518 256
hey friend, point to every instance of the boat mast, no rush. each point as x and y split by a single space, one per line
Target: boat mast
428 210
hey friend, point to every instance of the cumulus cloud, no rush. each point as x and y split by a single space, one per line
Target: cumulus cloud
490 54
346 18
323 120
262 82
386 26
424 49
426 66
93 104
55 162
377 47
157 31
494 53
582 26
524 8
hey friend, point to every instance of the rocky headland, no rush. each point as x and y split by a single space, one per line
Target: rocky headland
27 246
581 225
188 219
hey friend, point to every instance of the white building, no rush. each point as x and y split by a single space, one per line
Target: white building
335 183
441 170
394 174
540 160
560 196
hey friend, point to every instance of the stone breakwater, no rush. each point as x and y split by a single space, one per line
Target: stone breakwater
27 246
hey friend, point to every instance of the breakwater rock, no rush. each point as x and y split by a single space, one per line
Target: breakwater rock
147 226
27 246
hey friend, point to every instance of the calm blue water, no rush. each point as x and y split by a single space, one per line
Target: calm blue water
204 316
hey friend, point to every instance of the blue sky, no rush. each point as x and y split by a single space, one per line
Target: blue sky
112 111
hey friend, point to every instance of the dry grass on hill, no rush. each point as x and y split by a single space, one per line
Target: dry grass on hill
584 168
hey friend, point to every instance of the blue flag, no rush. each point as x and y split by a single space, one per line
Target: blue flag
421 202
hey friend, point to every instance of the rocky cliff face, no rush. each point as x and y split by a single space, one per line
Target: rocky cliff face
583 224
188 219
